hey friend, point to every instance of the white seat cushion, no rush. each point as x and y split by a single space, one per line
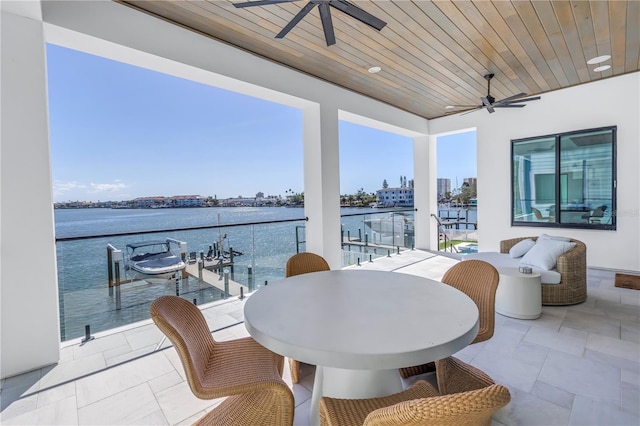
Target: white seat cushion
503 260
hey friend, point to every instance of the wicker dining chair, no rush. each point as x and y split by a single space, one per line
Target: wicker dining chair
478 280
456 376
422 404
249 375
303 263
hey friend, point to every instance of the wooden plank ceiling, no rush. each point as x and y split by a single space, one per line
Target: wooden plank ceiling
432 53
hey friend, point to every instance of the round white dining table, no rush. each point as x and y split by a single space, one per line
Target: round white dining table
360 326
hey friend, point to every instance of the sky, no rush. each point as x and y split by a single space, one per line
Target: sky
119 132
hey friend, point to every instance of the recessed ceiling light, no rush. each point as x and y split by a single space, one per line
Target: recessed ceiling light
602 68
375 70
598 59
449 107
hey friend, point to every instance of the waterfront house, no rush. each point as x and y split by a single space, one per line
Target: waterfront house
549 55
394 197
187 200
149 202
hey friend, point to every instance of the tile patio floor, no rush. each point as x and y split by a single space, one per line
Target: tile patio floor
575 365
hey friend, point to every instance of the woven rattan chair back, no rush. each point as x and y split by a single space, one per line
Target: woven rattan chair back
471 408
420 404
455 376
303 263
243 371
478 280
185 326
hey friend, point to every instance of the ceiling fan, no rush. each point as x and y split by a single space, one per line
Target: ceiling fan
325 15
489 102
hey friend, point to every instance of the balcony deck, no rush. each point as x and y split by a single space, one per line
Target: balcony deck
575 365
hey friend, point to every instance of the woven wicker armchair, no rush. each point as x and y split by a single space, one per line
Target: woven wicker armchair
421 404
572 267
478 280
303 263
249 375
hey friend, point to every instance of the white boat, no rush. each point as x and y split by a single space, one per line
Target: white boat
152 261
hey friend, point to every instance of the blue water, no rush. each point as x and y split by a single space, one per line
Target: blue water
84 295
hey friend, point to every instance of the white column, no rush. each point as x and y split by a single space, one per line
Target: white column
29 336
322 182
425 188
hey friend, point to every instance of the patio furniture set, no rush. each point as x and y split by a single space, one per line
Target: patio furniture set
359 362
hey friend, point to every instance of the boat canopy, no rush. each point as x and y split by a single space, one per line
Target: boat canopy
146 243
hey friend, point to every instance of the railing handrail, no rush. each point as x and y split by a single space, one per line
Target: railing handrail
406 209
194 228
158 231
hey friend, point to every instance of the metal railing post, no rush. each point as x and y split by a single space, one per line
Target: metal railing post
226 283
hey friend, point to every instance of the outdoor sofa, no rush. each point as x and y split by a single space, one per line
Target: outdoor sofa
563 284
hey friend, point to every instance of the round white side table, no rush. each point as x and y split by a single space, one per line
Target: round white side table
519 295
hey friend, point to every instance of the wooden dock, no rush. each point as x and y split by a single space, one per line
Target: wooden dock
212 278
356 242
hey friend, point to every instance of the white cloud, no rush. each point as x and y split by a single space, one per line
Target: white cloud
60 187
106 187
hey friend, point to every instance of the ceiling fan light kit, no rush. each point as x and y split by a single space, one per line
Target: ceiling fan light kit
324 6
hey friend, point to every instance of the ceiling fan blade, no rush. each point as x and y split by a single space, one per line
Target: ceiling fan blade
470 111
510 98
295 20
509 106
261 3
327 25
535 98
359 14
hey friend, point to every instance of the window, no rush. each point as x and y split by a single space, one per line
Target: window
565 180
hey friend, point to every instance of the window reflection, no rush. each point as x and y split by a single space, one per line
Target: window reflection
565 180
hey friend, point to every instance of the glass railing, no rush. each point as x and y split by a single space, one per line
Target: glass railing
101 288
458 229
366 237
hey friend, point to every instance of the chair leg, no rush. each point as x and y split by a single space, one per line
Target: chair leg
294 366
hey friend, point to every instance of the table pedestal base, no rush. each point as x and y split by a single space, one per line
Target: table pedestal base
343 383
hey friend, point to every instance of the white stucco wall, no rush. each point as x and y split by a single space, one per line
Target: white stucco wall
614 101
29 334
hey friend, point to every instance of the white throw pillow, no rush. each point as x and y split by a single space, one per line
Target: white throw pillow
521 248
553 237
544 254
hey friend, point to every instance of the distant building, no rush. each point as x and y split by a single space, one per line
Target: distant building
188 201
444 186
395 197
473 182
148 202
